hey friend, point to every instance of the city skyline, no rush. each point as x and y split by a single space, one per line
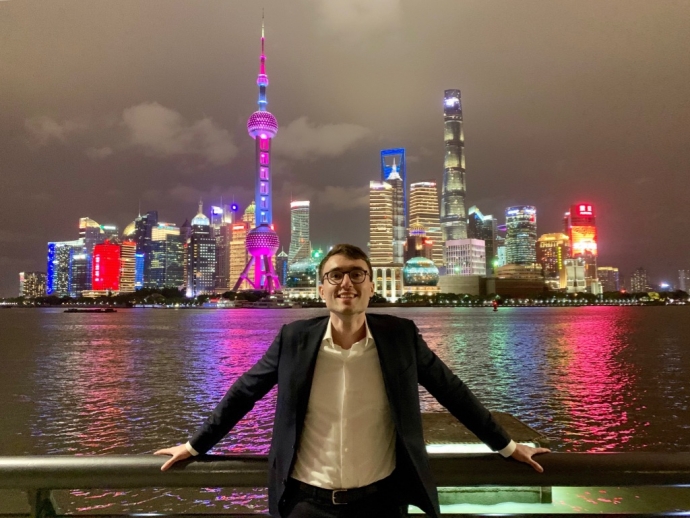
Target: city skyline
575 114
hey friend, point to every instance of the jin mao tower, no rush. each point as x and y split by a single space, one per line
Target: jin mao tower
262 241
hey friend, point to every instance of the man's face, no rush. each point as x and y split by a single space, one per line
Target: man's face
346 298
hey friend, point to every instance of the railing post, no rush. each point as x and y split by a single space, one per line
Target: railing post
42 503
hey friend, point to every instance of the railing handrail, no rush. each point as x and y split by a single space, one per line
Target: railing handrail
477 469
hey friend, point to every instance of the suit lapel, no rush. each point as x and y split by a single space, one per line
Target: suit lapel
303 372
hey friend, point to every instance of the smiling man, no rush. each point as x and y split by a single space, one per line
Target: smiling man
347 437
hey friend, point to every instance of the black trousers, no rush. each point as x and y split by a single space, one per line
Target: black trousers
383 504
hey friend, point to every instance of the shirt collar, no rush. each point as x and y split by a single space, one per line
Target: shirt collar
329 333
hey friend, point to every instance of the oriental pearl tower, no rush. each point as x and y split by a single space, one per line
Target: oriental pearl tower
262 242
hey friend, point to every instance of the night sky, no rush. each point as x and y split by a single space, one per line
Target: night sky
106 105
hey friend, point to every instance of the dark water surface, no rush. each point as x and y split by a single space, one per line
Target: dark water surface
590 378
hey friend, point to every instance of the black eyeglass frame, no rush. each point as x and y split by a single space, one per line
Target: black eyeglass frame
326 276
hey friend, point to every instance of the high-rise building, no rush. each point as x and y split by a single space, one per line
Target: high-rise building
394 172
380 223
521 234
453 216
424 211
575 275
143 232
552 250
300 245
500 246
465 257
139 263
79 272
609 278
639 283
480 226
201 257
32 284
223 239
58 266
580 226
128 250
167 256
238 249
106 268
282 267
262 241
418 245
684 280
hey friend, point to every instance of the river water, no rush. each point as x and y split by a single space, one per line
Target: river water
589 378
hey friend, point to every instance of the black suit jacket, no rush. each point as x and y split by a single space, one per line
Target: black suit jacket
406 361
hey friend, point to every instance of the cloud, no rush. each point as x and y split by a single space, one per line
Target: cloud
98 153
44 129
302 139
163 132
355 19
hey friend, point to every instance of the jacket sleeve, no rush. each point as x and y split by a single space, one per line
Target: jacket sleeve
240 398
452 393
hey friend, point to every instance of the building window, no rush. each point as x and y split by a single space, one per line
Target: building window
263 188
263 158
263 144
264 173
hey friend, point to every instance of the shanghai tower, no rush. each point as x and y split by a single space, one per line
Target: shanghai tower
453 216
262 242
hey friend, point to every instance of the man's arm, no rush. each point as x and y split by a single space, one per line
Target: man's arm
237 402
453 394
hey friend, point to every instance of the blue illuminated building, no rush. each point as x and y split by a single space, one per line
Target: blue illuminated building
139 265
389 159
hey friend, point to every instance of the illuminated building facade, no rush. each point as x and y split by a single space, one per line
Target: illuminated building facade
128 251
424 211
262 241
201 257
418 245
58 266
575 275
609 278
684 280
167 256
394 173
106 268
580 226
300 245
79 272
143 232
380 223
639 282
139 261
453 216
32 284
483 227
465 257
521 235
282 267
552 251
388 281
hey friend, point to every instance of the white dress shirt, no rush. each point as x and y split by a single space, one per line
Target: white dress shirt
348 438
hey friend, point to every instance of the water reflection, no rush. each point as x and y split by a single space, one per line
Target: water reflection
593 379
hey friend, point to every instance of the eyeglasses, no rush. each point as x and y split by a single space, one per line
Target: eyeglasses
356 275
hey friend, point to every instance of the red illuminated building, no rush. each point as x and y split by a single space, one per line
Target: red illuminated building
581 229
106 267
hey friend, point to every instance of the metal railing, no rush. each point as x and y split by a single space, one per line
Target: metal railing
40 475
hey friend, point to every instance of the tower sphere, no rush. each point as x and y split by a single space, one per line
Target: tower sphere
262 241
262 123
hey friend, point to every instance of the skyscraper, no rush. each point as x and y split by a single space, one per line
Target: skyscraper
106 268
262 241
143 229
552 251
453 216
417 244
684 280
167 256
380 223
465 257
201 257
32 284
282 267
58 265
424 211
393 172
609 278
521 234
580 226
300 245
639 283
483 227
238 249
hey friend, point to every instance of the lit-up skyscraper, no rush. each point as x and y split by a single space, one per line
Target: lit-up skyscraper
639 282
580 226
609 278
380 223
521 235
684 280
300 245
453 216
58 265
424 211
167 256
262 241
201 257
552 251
393 172
32 284
483 227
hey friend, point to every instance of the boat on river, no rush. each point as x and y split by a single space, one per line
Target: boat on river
91 310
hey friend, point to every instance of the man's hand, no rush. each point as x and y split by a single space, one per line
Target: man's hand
178 453
524 454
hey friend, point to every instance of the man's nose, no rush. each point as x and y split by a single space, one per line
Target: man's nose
347 282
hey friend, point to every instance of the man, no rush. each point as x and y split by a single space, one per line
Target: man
347 437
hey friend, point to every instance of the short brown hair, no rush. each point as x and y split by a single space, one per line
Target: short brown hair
349 251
